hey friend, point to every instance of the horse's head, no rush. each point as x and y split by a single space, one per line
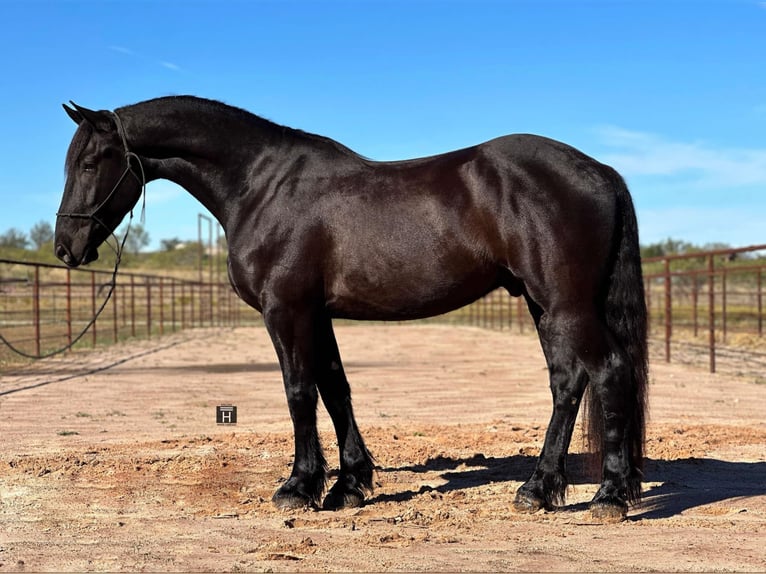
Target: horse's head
101 185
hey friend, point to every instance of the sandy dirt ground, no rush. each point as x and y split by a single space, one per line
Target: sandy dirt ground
111 460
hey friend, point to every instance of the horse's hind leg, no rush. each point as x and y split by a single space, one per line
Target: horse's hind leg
613 391
547 485
356 466
580 351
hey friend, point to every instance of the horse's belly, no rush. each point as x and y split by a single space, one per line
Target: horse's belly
403 296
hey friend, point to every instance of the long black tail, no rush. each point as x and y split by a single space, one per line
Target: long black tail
626 318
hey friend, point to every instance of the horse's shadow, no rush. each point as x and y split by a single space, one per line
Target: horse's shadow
683 484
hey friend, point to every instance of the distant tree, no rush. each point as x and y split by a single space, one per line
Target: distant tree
668 247
716 246
170 244
14 238
41 233
138 238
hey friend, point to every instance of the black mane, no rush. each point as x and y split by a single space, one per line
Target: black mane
195 104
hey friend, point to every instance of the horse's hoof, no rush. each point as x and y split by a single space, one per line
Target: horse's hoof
527 503
339 499
290 500
609 511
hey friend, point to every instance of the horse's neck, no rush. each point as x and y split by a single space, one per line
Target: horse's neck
199 151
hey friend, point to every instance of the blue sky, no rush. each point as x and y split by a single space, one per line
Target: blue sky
671 93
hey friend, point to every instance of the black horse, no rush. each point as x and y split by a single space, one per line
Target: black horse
316 232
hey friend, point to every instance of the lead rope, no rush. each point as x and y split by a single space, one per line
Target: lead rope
118 249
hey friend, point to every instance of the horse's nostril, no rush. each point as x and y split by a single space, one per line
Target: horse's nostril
63 254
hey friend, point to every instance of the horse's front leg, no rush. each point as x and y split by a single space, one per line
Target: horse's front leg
356 465
293 333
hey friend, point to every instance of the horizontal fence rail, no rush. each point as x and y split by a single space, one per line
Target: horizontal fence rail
704 308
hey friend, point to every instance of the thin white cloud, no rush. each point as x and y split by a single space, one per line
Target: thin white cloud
690 190
171 66
122 50
128 52
636 153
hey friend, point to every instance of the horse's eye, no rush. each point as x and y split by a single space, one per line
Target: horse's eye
89 167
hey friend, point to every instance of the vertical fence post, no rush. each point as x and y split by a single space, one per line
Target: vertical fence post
173 303
132 306
511 318
668 310
183 305
148 282
723 304
501 317
222 305
162 309
69 306
191 303
237 315
695 303
36 308
124 305
201 250
210 300
759 301
230 300
711 311
94 333
648 295
221 290
115 324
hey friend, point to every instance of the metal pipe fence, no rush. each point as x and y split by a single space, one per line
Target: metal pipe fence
704 308
707 307
44 307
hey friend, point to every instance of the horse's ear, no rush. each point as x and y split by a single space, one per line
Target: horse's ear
102 121
74 114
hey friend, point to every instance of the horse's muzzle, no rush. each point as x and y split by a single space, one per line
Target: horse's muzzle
63 253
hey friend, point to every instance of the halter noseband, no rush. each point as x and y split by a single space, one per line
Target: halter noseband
129 155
